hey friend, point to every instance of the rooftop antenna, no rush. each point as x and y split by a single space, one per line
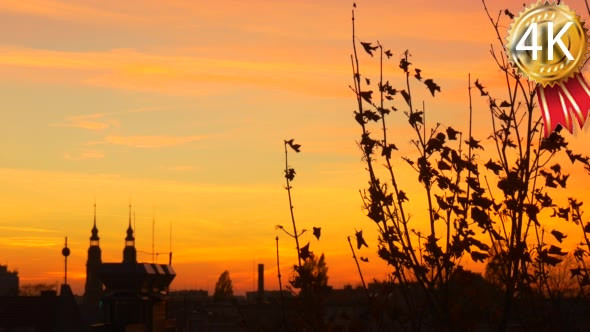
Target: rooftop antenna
170 251
132 229
130 213
94 211
66 252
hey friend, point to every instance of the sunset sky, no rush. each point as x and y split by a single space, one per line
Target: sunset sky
181 107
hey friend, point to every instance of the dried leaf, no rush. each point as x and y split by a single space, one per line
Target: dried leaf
509 14
481 88
369 48
367 95
494 167
418 76
559 236
404 64
304 252
432 86
360 241
295 147
452 133
317 232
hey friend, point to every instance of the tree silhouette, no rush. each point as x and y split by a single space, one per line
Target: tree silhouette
313 275
312 280
443 167
309 279
35 289
581 272
223 288
494 208
526 172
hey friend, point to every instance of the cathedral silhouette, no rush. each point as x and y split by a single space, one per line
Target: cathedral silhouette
127 295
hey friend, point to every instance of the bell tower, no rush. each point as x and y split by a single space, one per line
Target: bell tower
129 252
93 287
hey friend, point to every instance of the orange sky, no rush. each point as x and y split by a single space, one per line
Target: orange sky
182 106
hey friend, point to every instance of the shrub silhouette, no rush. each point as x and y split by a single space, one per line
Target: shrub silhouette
309 280
486 209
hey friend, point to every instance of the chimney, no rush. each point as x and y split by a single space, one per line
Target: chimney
260 282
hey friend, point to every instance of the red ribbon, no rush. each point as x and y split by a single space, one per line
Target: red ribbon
562 102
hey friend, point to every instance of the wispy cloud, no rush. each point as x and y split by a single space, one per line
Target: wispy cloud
62 10
180 168
94 122
174 74
147 142
28 242
83 155
67 180
26 229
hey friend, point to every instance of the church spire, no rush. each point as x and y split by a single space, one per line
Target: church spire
130 239
93 287
129 252
94 238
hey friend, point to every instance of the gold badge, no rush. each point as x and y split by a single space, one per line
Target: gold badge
547 43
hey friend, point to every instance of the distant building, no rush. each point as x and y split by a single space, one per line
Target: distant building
46 313
8 282
135 294
268 296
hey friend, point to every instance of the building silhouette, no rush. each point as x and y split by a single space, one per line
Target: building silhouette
135 294
118 297
8 282
46 312
93 286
